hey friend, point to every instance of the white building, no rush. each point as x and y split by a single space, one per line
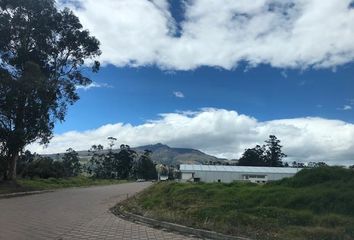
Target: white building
227 174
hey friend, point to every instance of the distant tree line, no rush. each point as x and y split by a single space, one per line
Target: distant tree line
33 165
295 164
122 164
270 155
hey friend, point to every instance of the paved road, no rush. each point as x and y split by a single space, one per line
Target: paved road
78 213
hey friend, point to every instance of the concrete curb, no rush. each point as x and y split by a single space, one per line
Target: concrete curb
175 227
20 194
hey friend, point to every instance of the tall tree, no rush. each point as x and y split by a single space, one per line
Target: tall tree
95 164
42 53
71 163
124 161
144 167
274 155
111 142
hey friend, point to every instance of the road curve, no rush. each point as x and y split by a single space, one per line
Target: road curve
76 213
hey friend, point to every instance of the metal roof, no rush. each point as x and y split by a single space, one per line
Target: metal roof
223 168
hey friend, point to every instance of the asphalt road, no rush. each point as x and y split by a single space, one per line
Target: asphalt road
76 213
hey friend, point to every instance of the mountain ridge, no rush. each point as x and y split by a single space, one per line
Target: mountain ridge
161 153
172 155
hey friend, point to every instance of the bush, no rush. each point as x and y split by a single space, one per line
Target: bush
44 167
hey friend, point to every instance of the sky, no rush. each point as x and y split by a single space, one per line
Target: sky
218 76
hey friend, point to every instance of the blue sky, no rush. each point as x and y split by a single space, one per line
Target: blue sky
135 95
218 76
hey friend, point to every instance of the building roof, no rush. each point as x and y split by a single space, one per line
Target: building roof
223 168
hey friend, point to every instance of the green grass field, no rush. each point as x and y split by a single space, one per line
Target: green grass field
315 204
22 185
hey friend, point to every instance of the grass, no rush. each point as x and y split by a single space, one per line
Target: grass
22 185
315 204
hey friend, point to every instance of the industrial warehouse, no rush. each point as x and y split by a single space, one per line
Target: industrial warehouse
227 174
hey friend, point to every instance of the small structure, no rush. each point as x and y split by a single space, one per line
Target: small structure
163 178
162 172
227 174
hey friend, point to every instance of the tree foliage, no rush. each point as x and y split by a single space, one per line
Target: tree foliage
269 154
24 163
295 164
116 165
34 165
144 168
253 157
42 51
123 162
71 163
95 164
273 153
317 164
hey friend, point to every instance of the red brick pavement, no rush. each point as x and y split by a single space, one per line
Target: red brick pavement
77 213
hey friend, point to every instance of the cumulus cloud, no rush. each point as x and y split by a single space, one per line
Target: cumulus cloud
223 33
223 133
178 94
94 85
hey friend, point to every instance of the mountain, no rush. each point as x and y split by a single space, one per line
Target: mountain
162 153
173 156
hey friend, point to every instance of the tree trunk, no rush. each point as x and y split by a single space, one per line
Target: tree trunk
12 166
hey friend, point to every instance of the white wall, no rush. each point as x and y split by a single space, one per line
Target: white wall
187 176
227 177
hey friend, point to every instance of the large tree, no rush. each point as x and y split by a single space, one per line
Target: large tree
42 54
123 162
253 157
144 167
71 163
274 154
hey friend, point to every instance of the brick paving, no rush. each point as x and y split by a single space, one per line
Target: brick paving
77 213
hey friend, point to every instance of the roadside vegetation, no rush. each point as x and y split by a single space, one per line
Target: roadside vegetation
316 203
35 184
36 172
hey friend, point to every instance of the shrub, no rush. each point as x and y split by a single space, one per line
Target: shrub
320 175
45 167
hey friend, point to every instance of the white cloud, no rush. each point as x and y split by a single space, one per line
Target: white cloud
282 33
345 108
178 94
225 134
94 85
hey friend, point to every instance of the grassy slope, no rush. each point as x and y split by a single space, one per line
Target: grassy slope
315 204
53 183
